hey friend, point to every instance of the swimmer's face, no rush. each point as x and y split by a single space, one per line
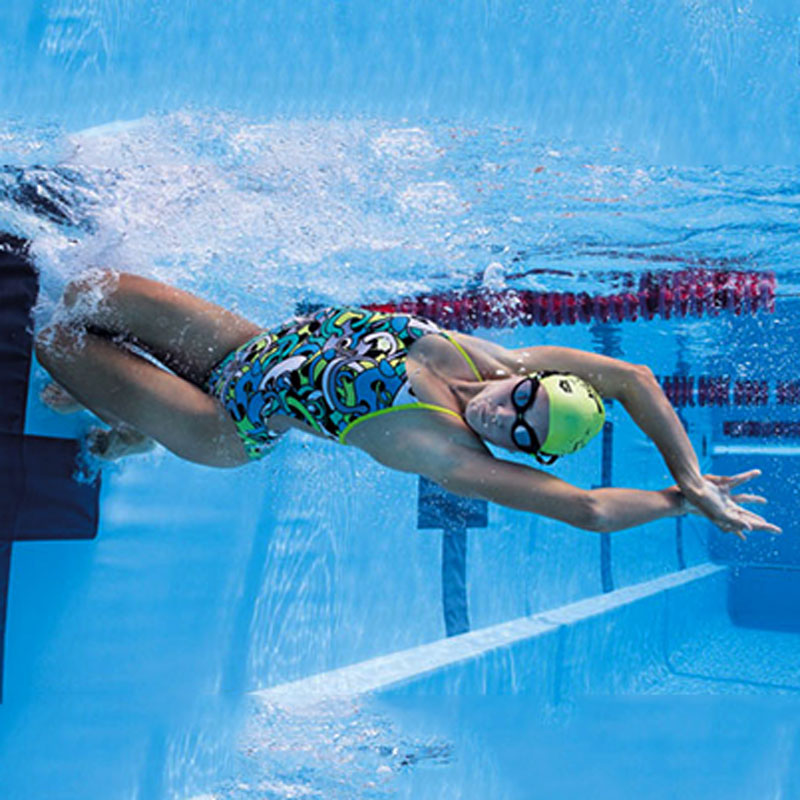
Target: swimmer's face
491 413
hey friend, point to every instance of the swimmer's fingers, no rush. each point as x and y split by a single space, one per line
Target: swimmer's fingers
753 522
732 481
748 498
743 477
738 520
760 524
757 522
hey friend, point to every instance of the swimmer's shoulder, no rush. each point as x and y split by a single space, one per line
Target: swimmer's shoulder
492 360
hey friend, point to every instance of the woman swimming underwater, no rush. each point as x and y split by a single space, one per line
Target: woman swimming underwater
415 397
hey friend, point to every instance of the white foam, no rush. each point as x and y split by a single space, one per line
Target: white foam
407 144
434 197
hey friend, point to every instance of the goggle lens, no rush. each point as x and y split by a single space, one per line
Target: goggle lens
524 393
523 397
522 437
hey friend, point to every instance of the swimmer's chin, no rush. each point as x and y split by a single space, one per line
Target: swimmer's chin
473 419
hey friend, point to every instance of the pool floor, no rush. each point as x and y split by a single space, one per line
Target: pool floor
650 691
721 718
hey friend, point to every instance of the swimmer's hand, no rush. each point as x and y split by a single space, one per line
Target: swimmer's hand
714 500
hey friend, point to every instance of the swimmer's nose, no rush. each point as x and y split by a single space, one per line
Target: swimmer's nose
501 416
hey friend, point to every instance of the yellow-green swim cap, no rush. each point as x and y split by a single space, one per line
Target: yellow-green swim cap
576 414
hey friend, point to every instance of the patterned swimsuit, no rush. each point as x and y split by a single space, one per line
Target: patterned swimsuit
332 370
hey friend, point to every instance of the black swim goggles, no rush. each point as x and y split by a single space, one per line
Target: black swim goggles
523 396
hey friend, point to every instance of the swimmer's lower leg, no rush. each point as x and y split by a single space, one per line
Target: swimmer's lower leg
122 439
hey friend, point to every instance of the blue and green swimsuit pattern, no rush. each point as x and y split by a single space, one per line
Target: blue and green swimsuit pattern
330 370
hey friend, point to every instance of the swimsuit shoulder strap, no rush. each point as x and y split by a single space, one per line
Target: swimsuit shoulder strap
403 407
464 353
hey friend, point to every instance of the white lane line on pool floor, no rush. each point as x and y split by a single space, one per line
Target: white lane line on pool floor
752 449
384 671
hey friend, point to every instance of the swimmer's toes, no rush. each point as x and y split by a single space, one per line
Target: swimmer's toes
97 440
112 444
58 399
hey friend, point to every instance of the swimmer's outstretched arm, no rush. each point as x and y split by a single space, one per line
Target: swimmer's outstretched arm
528 489
470 472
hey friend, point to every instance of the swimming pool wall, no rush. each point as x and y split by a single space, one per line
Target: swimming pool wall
554 657
708 82
764 590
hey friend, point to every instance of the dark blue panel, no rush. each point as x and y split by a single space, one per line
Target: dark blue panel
454 582
606 479
765 597
18 291
38 497
780 484
438 508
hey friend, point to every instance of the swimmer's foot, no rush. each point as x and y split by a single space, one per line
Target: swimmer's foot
58 399
114 443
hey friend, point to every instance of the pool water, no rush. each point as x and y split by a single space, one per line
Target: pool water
280 630
252 588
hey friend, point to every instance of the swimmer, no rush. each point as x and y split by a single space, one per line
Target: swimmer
413 396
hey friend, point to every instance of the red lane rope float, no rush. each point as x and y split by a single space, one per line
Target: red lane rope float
684 293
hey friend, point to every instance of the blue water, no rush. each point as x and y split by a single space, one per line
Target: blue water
270 155
705 82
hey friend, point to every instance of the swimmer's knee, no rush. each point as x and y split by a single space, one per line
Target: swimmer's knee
55 341
42 343
87 291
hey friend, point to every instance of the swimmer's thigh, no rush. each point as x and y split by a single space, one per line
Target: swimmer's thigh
186 333
121 386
